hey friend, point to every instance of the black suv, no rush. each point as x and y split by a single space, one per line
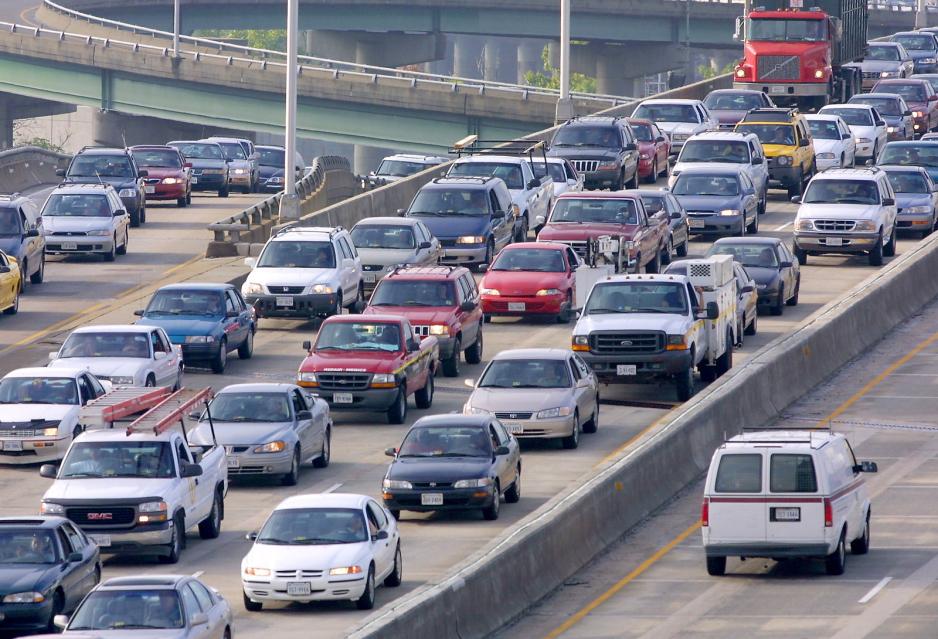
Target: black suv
115 167
602 149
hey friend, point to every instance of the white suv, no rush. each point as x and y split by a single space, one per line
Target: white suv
847 211
305 272
679 118
85 219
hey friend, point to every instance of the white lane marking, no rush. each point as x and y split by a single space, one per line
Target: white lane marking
198 573
875 590
783 226
331 488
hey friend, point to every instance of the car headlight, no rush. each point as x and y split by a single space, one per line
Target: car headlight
239 171
122 380
307 377
863 140
345 570
494 292
645 156
890 129
887 74
172 180
481 482
271 447
918 209
927 60
917 114
804 225
128 193
45 508
275 180
321 289
150 512
609 165
439 329
762 287
257 572
200 339
252 289
544 292
730 212
383 378
865 225
98 232
550 413
825 156
470 239
50 432
580 342
472 410
24 597
398 484
784 160
818 74
677 343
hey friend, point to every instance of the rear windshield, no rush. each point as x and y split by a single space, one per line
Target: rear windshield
792 474
611 211
914 91
683 113
883 53
854 117
739 474
510 173
162 158
733 101
916 42
715 151
885 106
770 133
824 129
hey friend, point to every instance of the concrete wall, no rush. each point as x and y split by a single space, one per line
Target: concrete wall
26 167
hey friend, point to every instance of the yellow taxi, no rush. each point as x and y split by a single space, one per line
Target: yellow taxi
789 148
11 284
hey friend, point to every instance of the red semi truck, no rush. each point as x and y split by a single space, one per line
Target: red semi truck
800 51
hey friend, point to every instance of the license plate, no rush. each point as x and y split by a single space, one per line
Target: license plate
195 180
299 588
149 189
234 462
777 90
101 541
625 369
431 499
342 398
516 306
835 241
513 428
284 301
69 246
696 224
370 278
787 514
12 445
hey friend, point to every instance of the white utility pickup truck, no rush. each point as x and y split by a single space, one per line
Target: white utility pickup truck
137 489
639 328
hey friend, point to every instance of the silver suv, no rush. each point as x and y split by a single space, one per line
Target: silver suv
305 272
85 219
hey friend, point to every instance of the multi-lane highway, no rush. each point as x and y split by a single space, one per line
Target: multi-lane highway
161 250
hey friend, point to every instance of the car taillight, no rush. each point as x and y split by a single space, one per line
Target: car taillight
828 513
705 512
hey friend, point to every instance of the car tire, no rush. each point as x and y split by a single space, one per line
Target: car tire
223 192
40 274
111 255
620 183
150 382
424 396
875 257
58 605
325 454
181 203
367 600
635 182
122 249
177 542
798 188
474 352
490 512
742 228
592 425
861 545
15 308
834 562
135 219
337 309
143 213
716 566
451 364
513 494
753 228
708 373
654 266
179 375
359 304
668 251
793 300
521 234
653 176
246 349
566 311
725 361
397 413
753 327
682 248
251 606
889 250
210 528
779 307
189 197
801 255
220 361
292 478
489 256
394 579
572 441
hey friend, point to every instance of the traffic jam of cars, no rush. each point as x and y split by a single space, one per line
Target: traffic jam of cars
557 232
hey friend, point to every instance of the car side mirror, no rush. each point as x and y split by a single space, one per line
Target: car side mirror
198 619
54 354
713 311
304 415
803 142
250 262
467 306
390 452
497 215
676 215
197 456
143 173
119 212
746 289
796 199
31 233
845 136
4 269
196 415
380 535
880 123
190 470
502 450
413 345
866 467
785 265
533 183
660 138
60 172
228 160
906 113
888 201
307 345
251 536
401 212
756 161
631 146
469 383
49 471
60 621
159 355
232 313
424 245
139 312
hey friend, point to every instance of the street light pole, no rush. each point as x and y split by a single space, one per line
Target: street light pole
564 104
289 204
176 28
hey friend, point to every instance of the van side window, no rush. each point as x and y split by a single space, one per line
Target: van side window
792 474
739 474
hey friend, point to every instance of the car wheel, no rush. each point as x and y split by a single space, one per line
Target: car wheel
326 454
122 249
220 360
337 309
58 605
593 424
175 543
572 441
834 562
742 227
486 318
474 352
654 266
566 312
14 309
620 183
151 381
111 255
802 256
181 202
246 350
668 251
753 228
251 606
223 192
397 414
653 176
424 396
211 527
779 307
189 197
143 213
490 512
876 255
716 566
889 250
793 301
753 325
178 384
635 181
451 364
292 478
397 573
367 600
359 304
513 494
861 545
682 248
40 274
725 361
489 255
522 233
135 218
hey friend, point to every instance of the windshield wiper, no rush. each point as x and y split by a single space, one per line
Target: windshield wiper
68 475
657 310
461 455
273 540
424 213
592 311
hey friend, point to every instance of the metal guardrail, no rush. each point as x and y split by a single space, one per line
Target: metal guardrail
231 228
338 68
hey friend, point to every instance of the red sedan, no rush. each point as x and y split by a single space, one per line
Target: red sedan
531 279
168 175
654 147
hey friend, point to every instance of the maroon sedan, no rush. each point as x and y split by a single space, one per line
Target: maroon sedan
168 175
654 146
921 98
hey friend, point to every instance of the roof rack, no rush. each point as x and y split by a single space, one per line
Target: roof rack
472 145
771 114
331 230
171 410
119 404
591 118
480 179
447 267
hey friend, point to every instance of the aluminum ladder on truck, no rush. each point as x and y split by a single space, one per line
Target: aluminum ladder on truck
169 411
119 404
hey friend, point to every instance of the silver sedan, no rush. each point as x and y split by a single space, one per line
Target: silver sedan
542 393
386 242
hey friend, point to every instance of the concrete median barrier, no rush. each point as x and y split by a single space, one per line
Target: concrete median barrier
25 167
529 560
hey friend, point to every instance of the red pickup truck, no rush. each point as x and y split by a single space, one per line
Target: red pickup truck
633 241
370 362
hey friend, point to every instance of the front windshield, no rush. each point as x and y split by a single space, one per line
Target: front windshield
682 113
9 221
249 407
902 182
233 150
588 135
27 547
714 151
446 441
653 203
611 211
537 260
786 30
374 236
643 132
314 526
722 185
143 459
129 609
637 297
886 53
399 168
200 150
77 205
162 158
931 79
925 154
104 166
916 42
395 292
824 129
272 157
183 302
292 254
557 172
38 390
911 91
853 117
885 106
106 345
842 192
359 336
783 134
526 373
510 173
452 201
758 255
733 101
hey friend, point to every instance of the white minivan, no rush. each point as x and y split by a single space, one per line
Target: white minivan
785 494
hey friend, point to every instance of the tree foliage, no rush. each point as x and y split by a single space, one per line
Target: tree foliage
549 77
273 39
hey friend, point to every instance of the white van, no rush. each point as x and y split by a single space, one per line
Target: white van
783 494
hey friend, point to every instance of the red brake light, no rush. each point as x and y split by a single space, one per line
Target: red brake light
705 513
828 513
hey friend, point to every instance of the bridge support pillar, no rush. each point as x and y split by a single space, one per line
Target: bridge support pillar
467 57
619 74
378 49
529 57
367 158
501 61
6 125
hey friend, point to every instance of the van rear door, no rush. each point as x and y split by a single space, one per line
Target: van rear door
795 505
737 509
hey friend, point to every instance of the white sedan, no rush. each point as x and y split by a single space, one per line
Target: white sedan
834 144
125 355
322 547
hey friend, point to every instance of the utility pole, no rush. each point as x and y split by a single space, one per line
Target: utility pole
176 28
289 204
564 104
921 18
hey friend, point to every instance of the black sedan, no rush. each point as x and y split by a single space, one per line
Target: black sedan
770 263
454 462
47 566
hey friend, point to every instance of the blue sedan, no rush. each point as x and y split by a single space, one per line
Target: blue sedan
916 198
719 199
207 320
